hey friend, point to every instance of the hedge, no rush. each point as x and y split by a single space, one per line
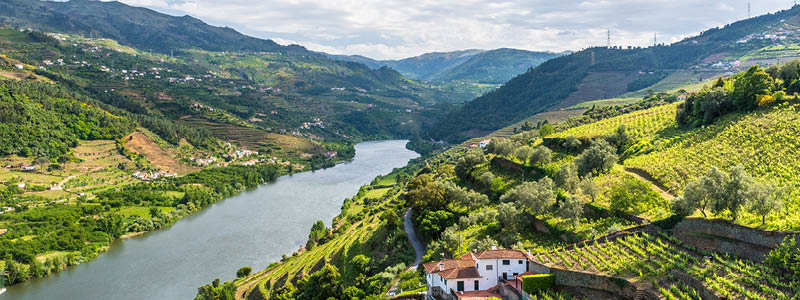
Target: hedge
534 283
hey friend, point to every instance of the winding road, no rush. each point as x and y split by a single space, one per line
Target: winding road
419 250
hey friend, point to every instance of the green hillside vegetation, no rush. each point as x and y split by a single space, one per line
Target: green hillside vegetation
45 237
618 70
559 190
364 253
744 121
134 26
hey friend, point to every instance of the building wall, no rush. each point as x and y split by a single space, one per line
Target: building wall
490 277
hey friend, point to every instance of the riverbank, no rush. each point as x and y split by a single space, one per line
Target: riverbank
116 214
252 228
369 227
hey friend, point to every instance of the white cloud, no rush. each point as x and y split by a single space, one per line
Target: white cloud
401 28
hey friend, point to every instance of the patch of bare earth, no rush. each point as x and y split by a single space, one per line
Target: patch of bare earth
164 160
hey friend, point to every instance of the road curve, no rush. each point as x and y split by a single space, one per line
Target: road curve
419 250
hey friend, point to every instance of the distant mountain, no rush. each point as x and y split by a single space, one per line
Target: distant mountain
598 73
132 26
492 66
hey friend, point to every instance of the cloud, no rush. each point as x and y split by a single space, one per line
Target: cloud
391 29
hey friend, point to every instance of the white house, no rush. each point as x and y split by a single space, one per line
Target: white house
485 143
480 271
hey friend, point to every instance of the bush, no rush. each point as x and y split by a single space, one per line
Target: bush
532 284
243 272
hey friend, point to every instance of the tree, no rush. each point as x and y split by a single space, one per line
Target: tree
324 284
154 212
572 143
243 272
468 161
536 196
546 130
483 244
286 292
360 264
542 155
508 216
567 177
621 138
596 159
588 188
752 83
766 199
571 209
737 192
523 153
318 231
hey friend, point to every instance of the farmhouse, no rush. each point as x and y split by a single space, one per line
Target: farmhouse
474 275
485 143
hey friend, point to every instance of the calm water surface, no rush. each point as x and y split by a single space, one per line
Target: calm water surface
253 228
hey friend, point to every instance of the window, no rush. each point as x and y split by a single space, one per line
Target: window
476 286
520 261
515 274
460 286
489 268
506 262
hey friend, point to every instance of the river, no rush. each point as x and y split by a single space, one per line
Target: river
253 229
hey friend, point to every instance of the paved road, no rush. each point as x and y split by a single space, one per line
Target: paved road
412 237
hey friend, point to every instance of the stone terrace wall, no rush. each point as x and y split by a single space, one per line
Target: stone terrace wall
723 236
614 285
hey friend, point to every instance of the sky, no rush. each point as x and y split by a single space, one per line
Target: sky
394 29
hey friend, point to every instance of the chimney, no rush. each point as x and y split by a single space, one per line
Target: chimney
441 267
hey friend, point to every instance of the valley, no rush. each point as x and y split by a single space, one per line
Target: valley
142 149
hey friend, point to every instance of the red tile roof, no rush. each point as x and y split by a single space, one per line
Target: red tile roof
453 269
501 253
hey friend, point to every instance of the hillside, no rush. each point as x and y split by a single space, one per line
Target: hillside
133 26
586 200
480 66
601 73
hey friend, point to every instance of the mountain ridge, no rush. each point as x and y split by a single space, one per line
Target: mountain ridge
601 72
494 66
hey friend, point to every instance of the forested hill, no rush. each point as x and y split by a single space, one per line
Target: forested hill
598 73
493 66
133 26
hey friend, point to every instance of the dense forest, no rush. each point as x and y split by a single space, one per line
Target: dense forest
41 120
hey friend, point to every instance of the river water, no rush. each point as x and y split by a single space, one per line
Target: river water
253 229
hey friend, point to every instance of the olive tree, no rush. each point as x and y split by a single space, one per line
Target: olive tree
596 159
536 196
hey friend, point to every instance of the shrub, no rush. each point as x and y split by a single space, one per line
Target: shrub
244 272
535 283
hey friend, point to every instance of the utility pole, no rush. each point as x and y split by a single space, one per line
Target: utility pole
655 39
748 9
609 38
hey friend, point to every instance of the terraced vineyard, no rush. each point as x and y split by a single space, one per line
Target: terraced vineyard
766 143
676 291
644 256
550 295
741 279
640 123
639 255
